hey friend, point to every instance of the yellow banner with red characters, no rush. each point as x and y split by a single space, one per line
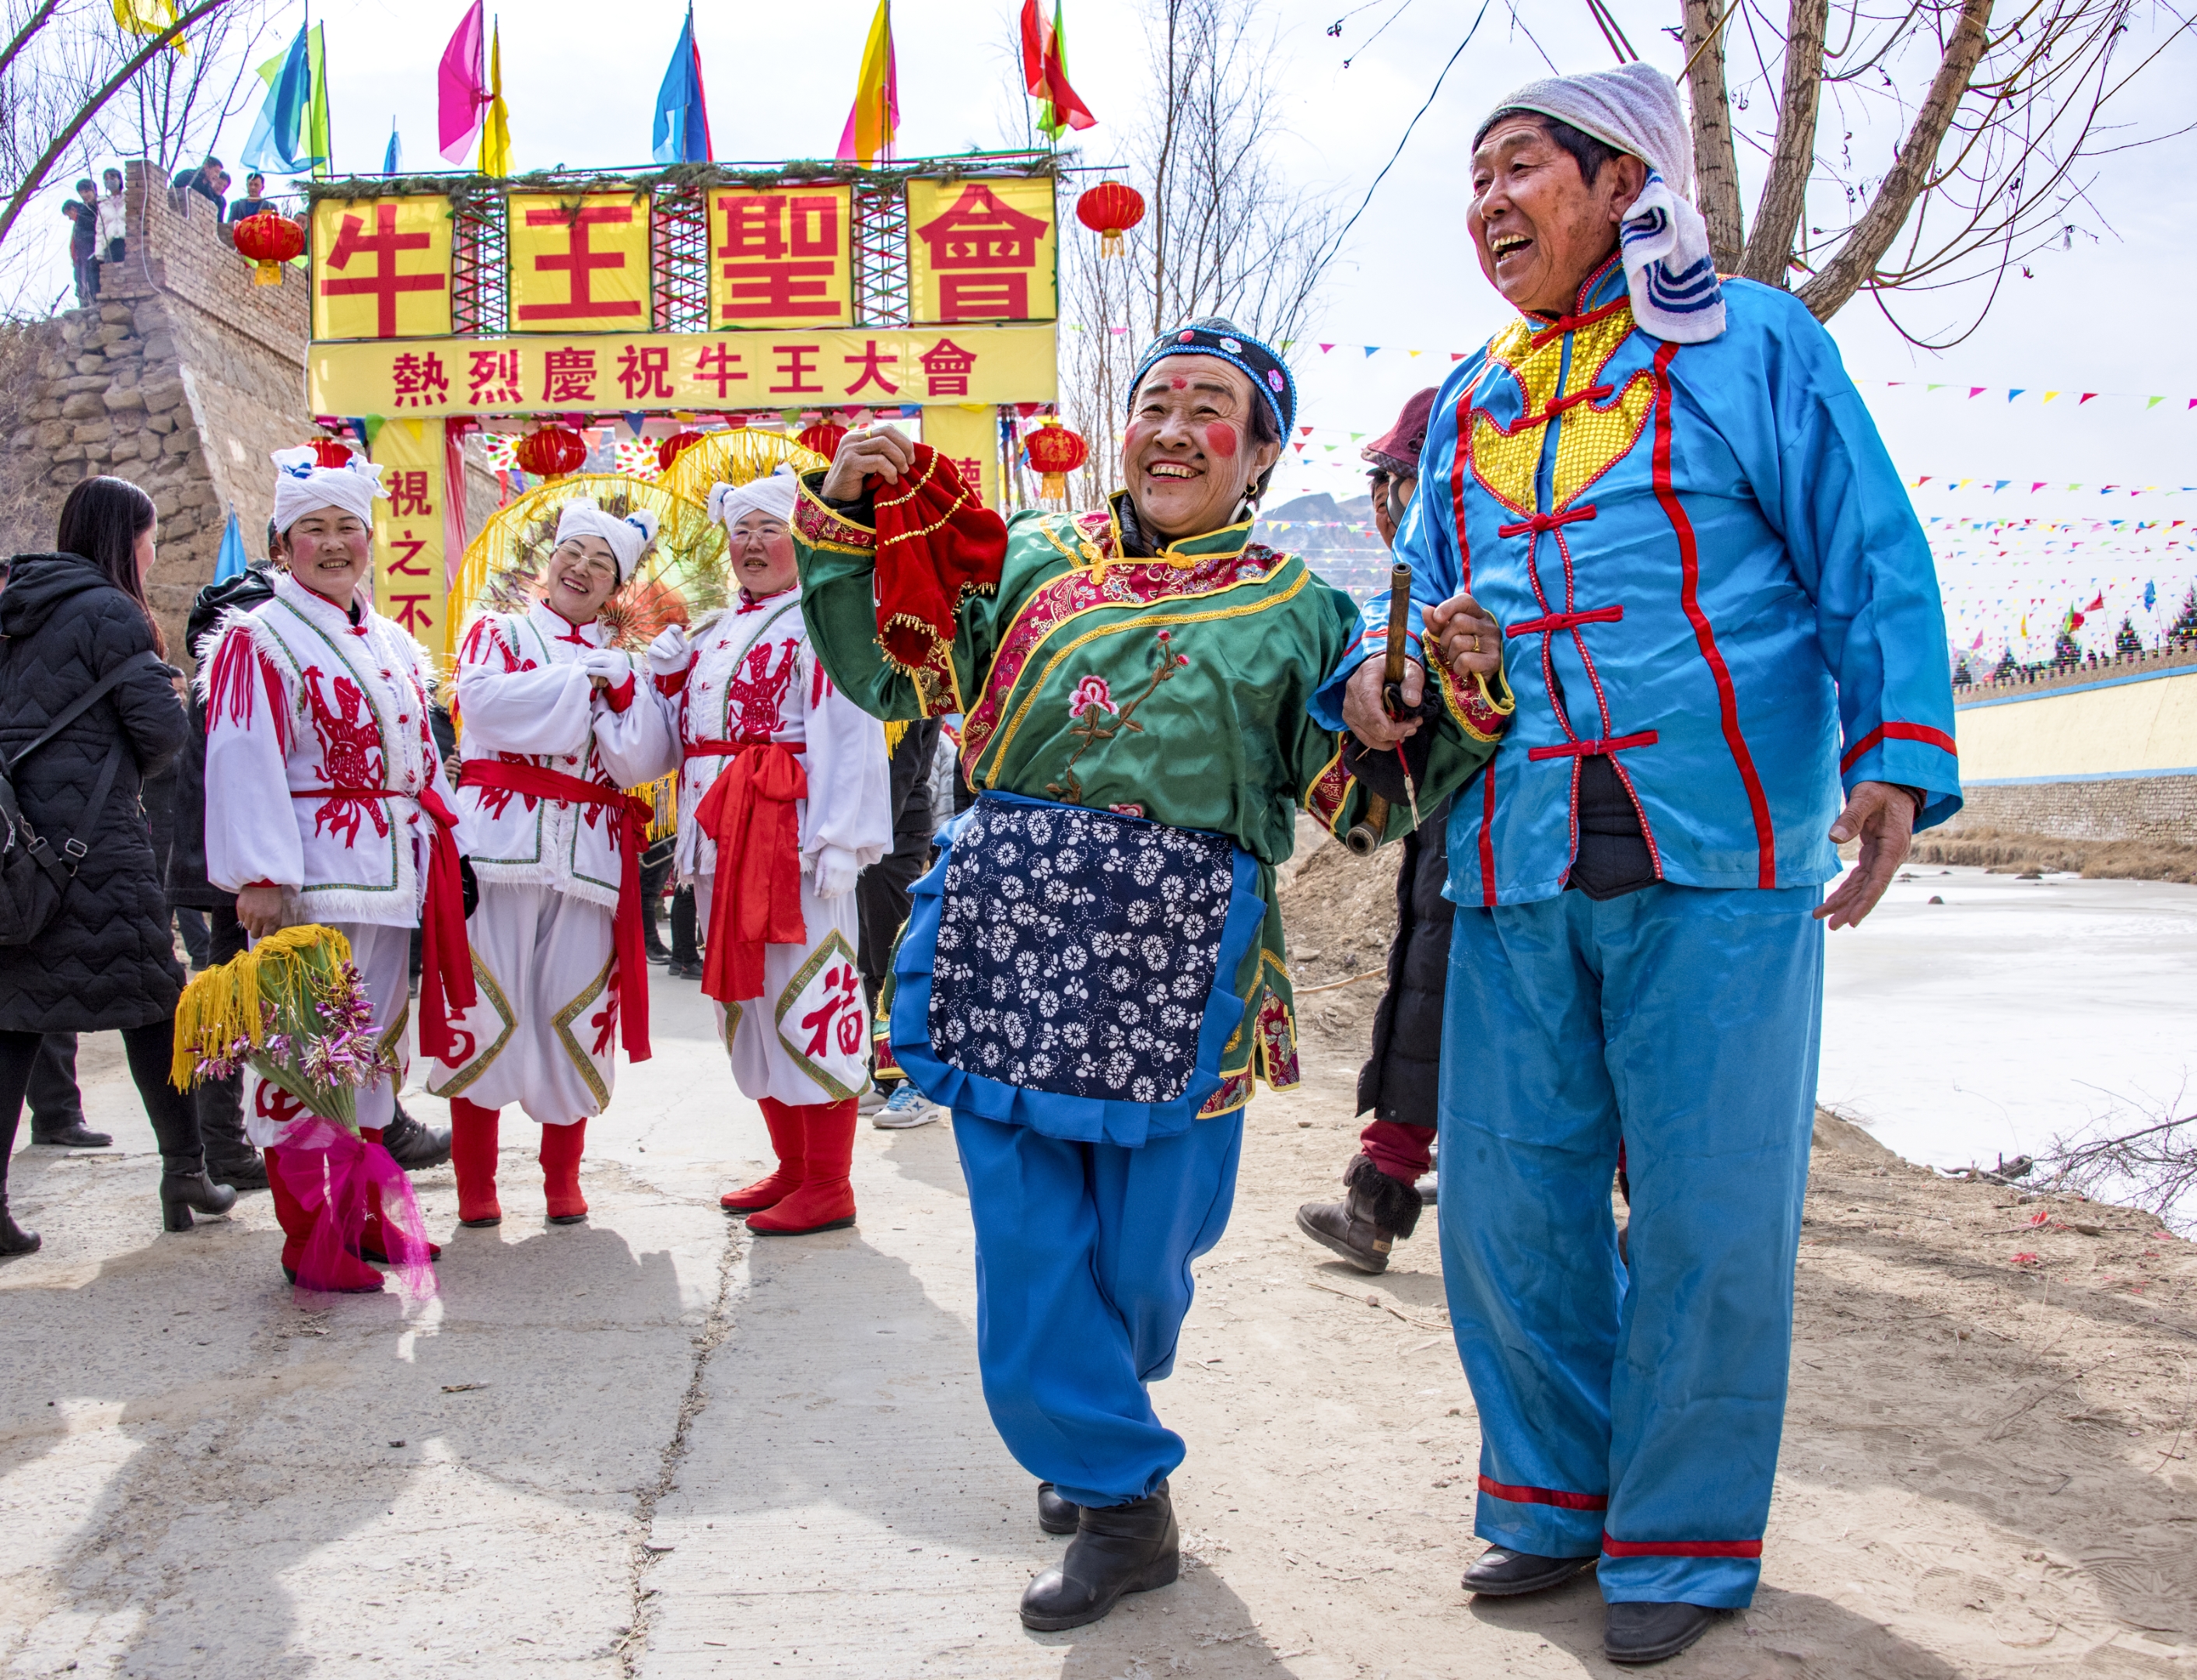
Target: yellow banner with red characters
781 256
381 267
981 249
579 264
658 372
409 583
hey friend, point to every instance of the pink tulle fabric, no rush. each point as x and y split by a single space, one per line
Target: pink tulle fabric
329 1167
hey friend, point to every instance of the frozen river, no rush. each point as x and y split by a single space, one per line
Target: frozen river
2013 1013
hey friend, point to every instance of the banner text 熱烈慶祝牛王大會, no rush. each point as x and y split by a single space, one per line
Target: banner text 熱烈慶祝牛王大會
865 366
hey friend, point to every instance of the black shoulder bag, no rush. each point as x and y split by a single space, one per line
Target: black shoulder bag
32 878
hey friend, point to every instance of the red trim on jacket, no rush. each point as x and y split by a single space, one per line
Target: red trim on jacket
1546 1495
1613 1548
1487 833
1899 732
1765 837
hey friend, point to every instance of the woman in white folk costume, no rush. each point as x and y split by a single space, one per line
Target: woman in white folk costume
326 803
783 801
551 735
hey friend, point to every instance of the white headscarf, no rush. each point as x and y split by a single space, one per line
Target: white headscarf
1664 241
775 495
629 537
302 486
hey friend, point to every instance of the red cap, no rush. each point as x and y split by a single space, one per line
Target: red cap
1398 450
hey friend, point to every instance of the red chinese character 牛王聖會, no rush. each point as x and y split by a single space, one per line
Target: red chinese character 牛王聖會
797 363
780 253
580 262
387 281
719 365
946 366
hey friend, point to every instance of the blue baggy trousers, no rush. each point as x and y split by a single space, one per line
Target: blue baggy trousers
1083 1254
1635 1415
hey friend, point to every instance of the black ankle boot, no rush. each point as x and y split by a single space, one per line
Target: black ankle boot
414 1147
245 1171
185 1188
1055 1514
1117 1550
13 1239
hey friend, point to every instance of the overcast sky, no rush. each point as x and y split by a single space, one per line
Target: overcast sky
2098 318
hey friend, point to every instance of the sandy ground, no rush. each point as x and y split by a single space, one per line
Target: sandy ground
647 1447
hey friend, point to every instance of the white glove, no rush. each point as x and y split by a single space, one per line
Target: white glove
669 654
832 874
608 663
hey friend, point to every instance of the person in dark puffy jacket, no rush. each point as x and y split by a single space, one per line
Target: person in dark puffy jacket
107 960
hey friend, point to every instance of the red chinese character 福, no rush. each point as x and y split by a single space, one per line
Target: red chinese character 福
494 378
580 262
419 380
569 376
642 370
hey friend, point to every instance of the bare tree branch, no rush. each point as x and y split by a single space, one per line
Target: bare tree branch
1716 166
1792 159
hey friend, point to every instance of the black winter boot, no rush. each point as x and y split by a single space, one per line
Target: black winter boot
1117 1550
1055 1514
185 1188
413 1146
1365 1226
13 1239
230 1158
1645 1633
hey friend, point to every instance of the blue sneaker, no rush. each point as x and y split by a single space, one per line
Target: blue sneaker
906 1107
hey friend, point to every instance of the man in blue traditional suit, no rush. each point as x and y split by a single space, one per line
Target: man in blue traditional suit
1718 608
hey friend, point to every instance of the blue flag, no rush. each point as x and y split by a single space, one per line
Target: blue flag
278 144
392 160
230 563
682 132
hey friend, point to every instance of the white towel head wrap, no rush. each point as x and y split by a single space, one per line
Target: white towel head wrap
629 537
1664 241
302 486
775 495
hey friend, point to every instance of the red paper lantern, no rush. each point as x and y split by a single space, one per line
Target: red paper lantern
675 446
269 241
1110 209
552 452
1054 451
330 452
824 438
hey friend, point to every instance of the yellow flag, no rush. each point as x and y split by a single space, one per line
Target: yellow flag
496 133
147 17
876 115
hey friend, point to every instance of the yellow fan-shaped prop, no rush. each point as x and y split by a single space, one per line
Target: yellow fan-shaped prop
737 457
681 577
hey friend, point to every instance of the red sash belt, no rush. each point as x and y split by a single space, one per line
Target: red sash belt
446 960
631 816
756 898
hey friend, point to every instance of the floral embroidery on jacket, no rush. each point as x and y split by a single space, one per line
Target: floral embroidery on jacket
1094 700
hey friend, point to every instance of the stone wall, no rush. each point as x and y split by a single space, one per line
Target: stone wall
181 378
2161 809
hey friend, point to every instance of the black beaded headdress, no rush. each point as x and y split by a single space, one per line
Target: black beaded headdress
1216 335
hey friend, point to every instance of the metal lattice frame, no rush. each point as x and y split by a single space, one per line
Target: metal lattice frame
880 252
479 281
680 244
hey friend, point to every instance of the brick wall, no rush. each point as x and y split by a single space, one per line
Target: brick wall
181 378
2162 809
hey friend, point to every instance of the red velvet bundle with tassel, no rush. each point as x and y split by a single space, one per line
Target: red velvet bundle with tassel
936 545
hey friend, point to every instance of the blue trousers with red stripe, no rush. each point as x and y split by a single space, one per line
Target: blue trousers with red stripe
1632 1414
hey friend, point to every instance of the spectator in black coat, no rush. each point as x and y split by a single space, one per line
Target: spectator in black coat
107 960
83 212
208 181
254 200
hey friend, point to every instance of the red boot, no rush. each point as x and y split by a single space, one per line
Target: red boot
826 1199
785 1124
353 1276
560 1171
373 1239
472 1158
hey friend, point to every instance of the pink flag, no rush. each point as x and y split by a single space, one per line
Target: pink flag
461 86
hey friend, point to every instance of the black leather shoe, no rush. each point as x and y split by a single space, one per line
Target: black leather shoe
1117 1550
1645 1633
1055 1514
13 1239
1501 1573
246 1172
413 1146
182 1194
652 945
70 1133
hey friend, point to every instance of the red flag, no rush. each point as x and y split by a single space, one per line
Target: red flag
2097 605
1045 71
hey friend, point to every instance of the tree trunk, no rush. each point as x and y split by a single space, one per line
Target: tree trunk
1716 168
1872 236
1785 194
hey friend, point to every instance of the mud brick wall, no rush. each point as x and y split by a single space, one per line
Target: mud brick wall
181 378
2162 809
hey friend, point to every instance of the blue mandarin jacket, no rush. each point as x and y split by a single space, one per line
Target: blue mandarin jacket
1707 569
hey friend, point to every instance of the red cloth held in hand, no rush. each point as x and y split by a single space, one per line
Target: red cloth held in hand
937 544
756 897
